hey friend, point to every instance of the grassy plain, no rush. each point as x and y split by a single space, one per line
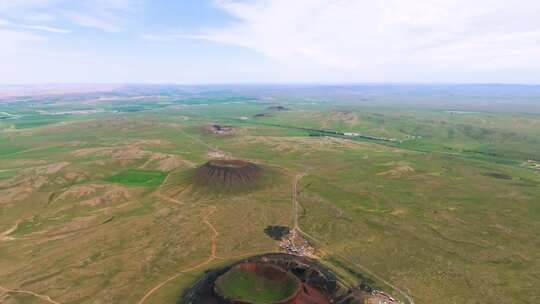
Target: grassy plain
133 177
249 287
94 207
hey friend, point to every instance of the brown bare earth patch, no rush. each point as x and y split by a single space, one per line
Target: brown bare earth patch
149 142
75 176
50 169
216 154
122 152
227 172
114 195
15 194
127 153
397 171
31 179
349 118
4 236
113 162
303 145
74 225
126 150
170 163
96 194
399 211
165 162
78 192
26 162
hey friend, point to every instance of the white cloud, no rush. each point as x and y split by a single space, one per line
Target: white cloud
13 41
118 6
15 5
158 38
164 38
44 28
387 35
106 15
39 17
50 29
97 22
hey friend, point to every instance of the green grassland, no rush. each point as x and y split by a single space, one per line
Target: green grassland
252 288
133 177
97 208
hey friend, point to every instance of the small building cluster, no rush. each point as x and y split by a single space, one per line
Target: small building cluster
221 130
364 136
533 164
293 243
379 297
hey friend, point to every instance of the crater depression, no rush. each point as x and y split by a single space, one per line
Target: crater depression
227 172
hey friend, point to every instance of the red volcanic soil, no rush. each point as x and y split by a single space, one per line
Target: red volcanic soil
309 295
274 278
268 271
227 172
303 294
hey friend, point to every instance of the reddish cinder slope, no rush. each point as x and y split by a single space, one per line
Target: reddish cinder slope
227 172
303 294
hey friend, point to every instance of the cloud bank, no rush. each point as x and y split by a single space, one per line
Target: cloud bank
432 36
270 41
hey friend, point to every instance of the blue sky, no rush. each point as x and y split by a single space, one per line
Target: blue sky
269 41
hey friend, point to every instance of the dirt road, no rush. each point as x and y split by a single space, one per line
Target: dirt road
43 297
320 243
165 197
294 197
210 258
4 236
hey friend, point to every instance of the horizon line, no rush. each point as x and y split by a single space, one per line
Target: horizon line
289 83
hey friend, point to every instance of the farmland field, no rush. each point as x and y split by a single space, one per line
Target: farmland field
142 178
423 195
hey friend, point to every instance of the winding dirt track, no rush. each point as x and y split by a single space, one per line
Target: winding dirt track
210 258
296 226
294 197
4 236
165 197
313 239
43 297
169 199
